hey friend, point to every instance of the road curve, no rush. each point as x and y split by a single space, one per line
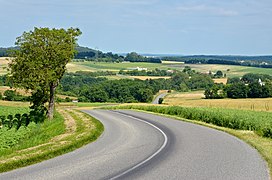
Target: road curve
138 145
156 100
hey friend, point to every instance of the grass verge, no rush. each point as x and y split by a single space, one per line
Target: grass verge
53 138
262 144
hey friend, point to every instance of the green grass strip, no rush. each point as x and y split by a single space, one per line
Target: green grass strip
48 149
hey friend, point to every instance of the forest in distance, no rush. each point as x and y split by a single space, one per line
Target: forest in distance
88 54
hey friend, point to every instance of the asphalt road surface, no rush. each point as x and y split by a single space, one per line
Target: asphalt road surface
138 145
156 100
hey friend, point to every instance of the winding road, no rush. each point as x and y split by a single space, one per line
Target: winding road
156 100
138 145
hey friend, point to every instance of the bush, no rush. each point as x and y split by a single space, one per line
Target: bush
160 100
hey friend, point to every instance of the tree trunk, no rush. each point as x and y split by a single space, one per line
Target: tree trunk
51 105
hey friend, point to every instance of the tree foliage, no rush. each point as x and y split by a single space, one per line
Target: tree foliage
40 62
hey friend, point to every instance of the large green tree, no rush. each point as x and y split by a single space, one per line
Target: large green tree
40 62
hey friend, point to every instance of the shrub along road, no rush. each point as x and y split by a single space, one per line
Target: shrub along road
138 145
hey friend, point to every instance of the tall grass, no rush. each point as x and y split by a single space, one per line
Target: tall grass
52 138
30 136
7 110
260 122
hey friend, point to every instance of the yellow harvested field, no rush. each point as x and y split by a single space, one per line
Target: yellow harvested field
24 93
172 62
3 65
221 80
20 91
196 99
4 60
14 104
149 77
72 67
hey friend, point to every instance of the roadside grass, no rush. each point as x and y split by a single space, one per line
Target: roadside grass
262 144
63 134
84 104
196 99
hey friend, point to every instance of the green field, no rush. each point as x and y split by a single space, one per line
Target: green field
103 66
7 110
230 70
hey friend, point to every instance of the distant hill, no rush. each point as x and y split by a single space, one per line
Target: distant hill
86 53
219 57
255 61
83 52
91 54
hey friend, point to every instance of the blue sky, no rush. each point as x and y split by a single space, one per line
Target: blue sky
242 27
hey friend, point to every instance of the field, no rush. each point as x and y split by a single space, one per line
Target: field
3 64
102 66
149 77
196 99
20 91
14 104
6 110
229 70
221 80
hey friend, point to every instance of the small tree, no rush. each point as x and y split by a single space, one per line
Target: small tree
10 95
40 63
218 74
160 100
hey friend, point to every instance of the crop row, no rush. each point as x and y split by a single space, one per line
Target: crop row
260 122
11 137
19 120
7 110
14 121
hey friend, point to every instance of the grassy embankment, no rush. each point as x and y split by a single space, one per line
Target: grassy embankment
69 130
253 127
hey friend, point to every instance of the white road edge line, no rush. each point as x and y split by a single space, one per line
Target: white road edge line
150 157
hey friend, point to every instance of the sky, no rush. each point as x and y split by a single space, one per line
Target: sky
223 27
